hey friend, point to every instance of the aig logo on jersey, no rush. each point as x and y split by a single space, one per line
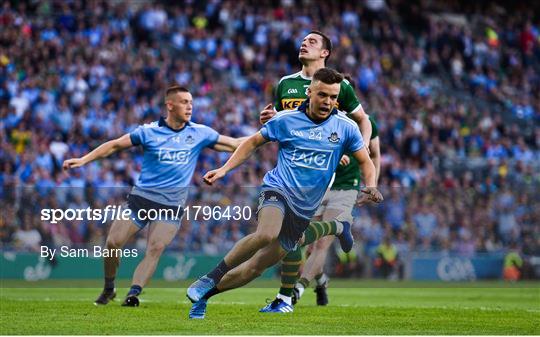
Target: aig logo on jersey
173 156
315 159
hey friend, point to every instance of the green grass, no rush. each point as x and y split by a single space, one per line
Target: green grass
373 308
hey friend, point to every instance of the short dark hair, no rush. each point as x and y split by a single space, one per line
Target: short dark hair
173 89
326 42
328 76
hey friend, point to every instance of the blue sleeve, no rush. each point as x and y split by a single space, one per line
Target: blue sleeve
211 137
137 136
355 141
270 130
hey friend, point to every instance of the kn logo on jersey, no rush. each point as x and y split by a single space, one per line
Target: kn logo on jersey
173 156
315 159
291 103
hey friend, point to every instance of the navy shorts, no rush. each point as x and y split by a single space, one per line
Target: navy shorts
152 211
293 226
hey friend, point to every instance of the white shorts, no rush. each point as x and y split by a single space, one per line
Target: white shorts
341 200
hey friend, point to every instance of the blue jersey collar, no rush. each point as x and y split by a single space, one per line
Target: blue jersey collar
163 123
303 108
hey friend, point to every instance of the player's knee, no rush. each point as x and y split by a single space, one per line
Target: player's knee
113 243
155 248
264 238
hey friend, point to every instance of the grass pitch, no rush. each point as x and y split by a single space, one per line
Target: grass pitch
356 308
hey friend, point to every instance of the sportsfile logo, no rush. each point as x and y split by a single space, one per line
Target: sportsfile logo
173 156
315 159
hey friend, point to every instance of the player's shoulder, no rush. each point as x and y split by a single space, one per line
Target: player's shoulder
346 84
286 114
199 127
151 125
345 121
291 77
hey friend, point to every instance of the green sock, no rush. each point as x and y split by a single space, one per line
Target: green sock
304 282
290 267
318 229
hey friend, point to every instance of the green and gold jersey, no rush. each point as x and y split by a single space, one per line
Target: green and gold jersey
348 177
292 91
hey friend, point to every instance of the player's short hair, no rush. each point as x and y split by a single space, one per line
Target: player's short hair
173 89
328 76
326 42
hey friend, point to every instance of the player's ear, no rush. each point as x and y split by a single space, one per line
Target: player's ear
325 53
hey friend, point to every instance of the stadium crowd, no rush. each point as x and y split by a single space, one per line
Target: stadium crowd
453 86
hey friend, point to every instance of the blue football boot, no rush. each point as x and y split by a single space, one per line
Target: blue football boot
199 288
278 306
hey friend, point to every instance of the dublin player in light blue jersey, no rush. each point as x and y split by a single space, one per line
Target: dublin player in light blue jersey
171 148
312 140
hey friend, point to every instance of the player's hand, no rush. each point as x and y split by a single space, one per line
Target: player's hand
72 163
267 114
373 194
212 176
345 160
363 199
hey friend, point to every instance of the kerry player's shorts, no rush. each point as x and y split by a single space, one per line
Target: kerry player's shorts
293 226
341 200
144 211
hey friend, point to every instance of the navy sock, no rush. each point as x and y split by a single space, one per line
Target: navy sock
218 272
135 290
109 284
211 292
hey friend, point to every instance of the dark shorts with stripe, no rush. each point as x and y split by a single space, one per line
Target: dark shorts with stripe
293 226
164 213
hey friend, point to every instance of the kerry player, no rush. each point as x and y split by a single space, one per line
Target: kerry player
312 140
316 48
171 148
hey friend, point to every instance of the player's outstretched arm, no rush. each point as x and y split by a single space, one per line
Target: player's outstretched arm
102 151
242 153
228 144
362 119
368 169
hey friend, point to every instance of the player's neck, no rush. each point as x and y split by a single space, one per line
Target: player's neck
309 69
174 124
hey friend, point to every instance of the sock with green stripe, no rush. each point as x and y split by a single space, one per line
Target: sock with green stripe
290 268
318 229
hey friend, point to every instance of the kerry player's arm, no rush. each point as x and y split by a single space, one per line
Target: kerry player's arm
370 175
362 119
242 153
102 151
375 155
228 144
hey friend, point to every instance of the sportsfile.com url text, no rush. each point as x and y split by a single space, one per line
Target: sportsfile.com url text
113 212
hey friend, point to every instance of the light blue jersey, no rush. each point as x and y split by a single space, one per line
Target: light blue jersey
170 157
309 153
